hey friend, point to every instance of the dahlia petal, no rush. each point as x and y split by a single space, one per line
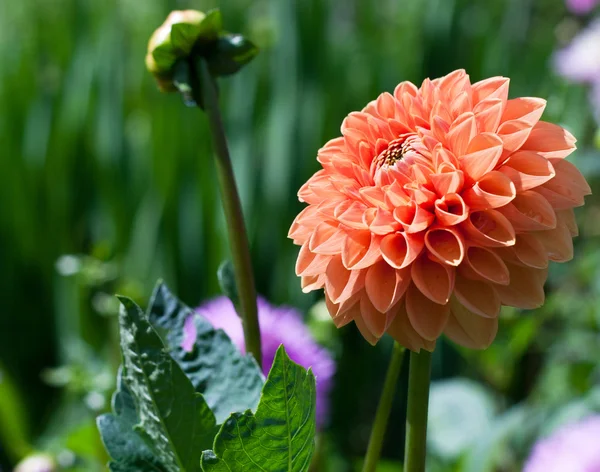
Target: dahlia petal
527 170
421 195
312 282
469 330
386 105
353 139
493 190
341 283
513 134
385 285
486 264
309 263
447 182
400 249
370 257
558 243
331 149
477 296
530 251
550 141
446 244
483 153
494 87
365 331
526 288
426 317
461 104
527 109
451 209
442 155
366 154
568 183
344 312
489 228
413 218
462 132
488 113
433 279
567 217
374 196
383 223
327 239
405 88
377 322
530 211
353 216
403 332
355 247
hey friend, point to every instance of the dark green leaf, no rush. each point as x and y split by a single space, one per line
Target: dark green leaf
228 380
126 447
184 35
226 277
174 419
231 52
211 26
280 437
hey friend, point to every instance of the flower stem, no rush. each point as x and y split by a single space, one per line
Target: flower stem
383 409
416 415
232 207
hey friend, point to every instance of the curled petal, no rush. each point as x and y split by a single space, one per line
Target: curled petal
451 209
403 332
494 87
309 263
488 113
558 243
550 141
441 155
400 249
327 239
353 216
526 287
426 317
385 285
530 211
383 222
377 322
374 196
446 244
447 182
413 218
493 190
567 217
469 330
433 279
486 264
355 247
345 312
312 282
489 228
513 134
462 131
530 251
527 170
482 156
526 109
370 257
341 283
567 188
479 297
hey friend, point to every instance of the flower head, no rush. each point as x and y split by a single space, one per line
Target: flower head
436 206
573 447
278 325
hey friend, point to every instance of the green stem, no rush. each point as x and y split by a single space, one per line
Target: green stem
383 409
238 239
416 414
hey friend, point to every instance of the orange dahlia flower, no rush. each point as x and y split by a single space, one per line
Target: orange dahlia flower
436 206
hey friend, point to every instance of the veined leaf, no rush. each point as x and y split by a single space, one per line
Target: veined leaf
174 419
228 380
280 436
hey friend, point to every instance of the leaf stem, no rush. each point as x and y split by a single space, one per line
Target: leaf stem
238 239
383 409
416 415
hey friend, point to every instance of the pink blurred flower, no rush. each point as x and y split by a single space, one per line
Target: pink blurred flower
278 325
581 7
572 448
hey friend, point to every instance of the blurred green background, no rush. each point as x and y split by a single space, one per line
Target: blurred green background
107 185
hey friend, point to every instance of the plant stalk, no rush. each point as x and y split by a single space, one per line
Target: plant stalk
383 409
416 415
238 239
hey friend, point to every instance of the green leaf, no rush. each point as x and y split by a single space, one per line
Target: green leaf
230 53
211 26
174 419
281 436
226 276
228 380
126 447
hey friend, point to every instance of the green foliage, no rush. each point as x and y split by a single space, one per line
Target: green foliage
175 421
280 436
230 54
228 380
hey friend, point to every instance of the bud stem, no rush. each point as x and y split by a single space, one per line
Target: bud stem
416 415
383 409
238 239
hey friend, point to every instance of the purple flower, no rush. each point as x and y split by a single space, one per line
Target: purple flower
278 325
573 448
581 7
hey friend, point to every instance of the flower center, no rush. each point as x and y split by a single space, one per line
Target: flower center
397 150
